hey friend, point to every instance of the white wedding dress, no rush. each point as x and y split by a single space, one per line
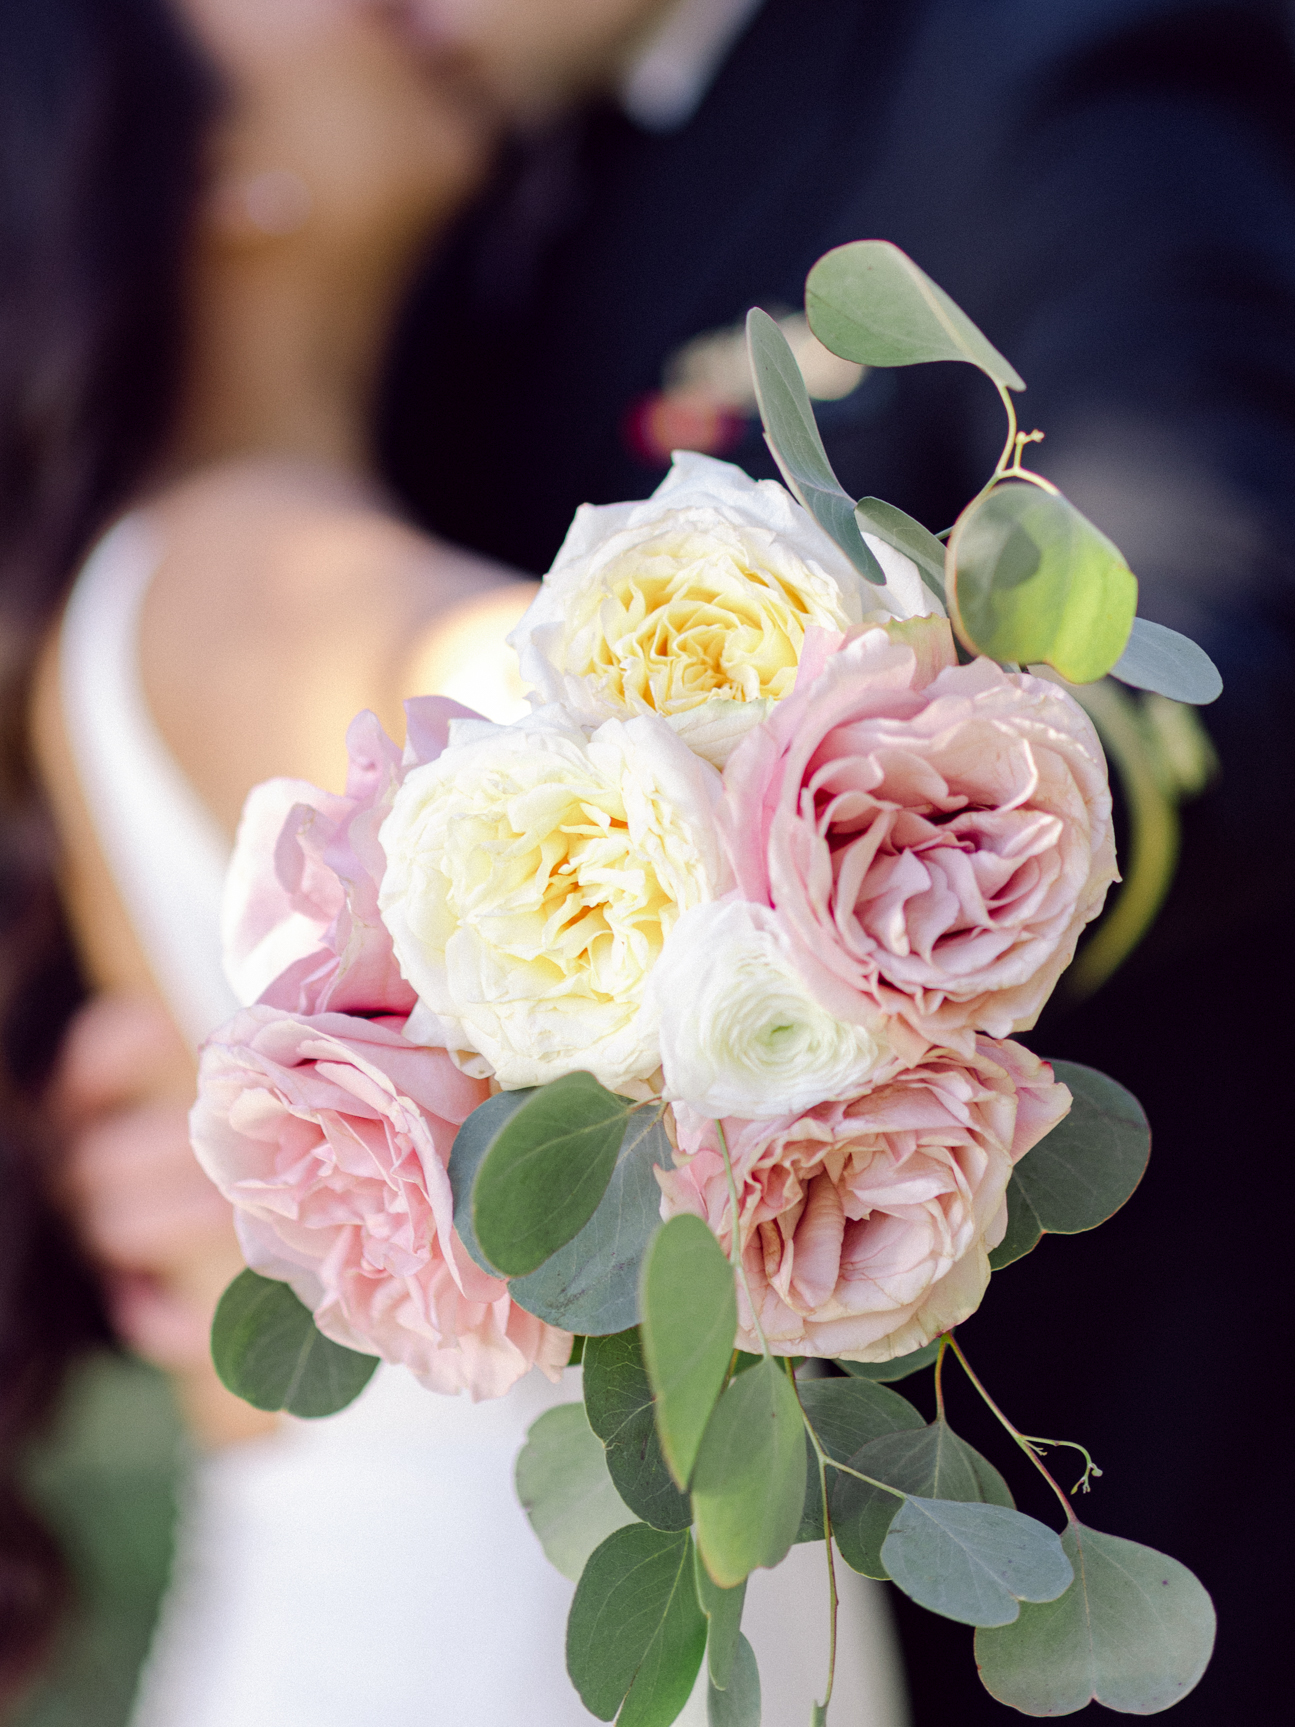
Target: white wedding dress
373 1569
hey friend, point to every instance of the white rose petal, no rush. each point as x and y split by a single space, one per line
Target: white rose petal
694 604
533 876
740 1034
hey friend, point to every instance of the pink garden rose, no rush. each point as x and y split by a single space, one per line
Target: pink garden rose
331 1136
866 1225
934 840
300 920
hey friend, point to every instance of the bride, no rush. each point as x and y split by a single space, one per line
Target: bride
266 173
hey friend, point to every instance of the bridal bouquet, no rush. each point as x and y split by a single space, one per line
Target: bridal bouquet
669 1029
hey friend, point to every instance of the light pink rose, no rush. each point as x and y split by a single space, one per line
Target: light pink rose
300 919
934 848
331 1136
866 1225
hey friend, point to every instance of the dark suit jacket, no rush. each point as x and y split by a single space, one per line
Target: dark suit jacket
1108 188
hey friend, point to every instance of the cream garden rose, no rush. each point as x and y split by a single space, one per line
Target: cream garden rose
740 1033
533 875
695 604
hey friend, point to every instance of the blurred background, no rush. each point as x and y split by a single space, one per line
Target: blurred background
521 299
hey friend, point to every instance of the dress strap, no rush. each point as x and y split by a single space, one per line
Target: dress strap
165 851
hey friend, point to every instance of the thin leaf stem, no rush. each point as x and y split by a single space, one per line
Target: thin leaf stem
1000 467
735 1243
872 1481
1015 1432
822 1459
939 1379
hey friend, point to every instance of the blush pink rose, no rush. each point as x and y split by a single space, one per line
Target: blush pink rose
331 1136
301 929
934 848
866 1225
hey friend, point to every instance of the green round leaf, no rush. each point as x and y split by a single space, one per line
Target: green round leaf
618 1399
1135 1632
1024 1231
635 1633
1089 1165
268 1351
723 1610
689 1322
898 1367
545 1171
1160 659
973 1563
1029 579
471 1143
565 1490
749 1483
869 302
930 1461
792 434
846 1414
739 1704
874 516
591 1284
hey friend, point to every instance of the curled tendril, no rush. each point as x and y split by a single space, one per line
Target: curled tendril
1090 1468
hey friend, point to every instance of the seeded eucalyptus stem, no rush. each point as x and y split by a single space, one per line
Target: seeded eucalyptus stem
735 1241
1015 1432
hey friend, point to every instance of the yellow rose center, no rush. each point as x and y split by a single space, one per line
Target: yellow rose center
689 616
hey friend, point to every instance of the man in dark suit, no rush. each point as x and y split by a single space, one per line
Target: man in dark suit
1108 188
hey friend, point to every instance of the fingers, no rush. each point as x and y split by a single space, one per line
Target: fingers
138 1197
163 1327
118 1048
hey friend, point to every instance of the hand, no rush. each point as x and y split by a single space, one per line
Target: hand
142 1207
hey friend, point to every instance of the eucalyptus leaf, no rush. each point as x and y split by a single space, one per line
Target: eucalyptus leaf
1134 1631
689 1321
1160 659
932 1462
749 1483
875 516
635 1633
565 1490
1024 1231
869 302
268 1351
846 1414
898 1367
973 1563
792 434
738 1705
471 1143
590 1286
723 1610
1093 1159
618 1400
1029 579
545 1171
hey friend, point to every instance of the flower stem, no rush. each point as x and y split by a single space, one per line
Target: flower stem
939 1380
735 1241
823 1460
1015 1432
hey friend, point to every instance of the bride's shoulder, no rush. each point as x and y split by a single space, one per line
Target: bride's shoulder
285 599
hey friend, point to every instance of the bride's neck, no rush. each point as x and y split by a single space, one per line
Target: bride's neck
283 359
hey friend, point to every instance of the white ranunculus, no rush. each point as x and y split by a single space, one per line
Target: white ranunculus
740 1034
694 604
533 876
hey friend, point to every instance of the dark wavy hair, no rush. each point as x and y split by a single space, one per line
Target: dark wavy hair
104 107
